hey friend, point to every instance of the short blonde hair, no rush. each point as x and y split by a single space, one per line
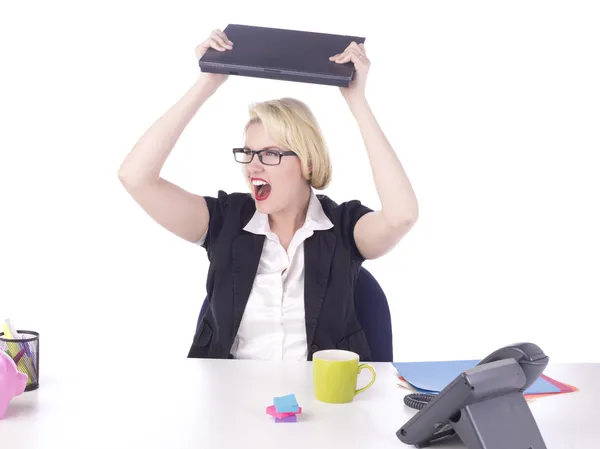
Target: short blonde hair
294 127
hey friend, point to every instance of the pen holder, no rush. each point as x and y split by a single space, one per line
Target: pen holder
25 352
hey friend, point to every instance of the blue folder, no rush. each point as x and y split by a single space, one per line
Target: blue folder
432 377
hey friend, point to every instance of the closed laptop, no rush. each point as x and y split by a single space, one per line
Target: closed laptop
281 54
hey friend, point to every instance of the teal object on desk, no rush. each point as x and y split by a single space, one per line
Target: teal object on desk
286 404
432 377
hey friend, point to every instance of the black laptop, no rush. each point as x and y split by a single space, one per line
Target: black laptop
281 54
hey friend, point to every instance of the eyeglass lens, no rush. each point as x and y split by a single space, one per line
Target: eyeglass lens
267 157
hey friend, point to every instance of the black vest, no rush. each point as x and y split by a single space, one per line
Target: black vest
331 266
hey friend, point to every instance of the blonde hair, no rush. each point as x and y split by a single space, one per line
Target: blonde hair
293 126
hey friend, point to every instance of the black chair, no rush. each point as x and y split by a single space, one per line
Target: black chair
373 314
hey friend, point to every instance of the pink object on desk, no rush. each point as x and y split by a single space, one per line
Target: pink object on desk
12 382
273 412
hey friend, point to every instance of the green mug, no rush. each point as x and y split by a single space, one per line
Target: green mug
335 373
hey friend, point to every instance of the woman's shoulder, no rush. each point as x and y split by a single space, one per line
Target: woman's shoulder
226 199
235 204
333 205
342 213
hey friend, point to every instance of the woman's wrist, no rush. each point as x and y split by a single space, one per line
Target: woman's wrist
207 84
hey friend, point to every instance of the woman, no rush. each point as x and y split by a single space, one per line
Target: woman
283 261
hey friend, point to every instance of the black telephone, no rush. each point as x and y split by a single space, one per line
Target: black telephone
484 406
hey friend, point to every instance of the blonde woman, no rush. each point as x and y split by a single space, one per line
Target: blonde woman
283 260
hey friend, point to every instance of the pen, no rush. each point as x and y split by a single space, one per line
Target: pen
18 357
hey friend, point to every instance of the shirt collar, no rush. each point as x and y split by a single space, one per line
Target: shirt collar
316 220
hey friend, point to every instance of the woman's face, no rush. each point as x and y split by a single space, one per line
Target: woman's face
274 187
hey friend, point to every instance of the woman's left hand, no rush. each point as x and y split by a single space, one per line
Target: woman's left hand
358 55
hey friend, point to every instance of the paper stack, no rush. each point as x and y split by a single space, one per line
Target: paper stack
284 409
432 377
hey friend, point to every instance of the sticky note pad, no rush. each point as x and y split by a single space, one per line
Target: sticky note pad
271 411
291 418
286 404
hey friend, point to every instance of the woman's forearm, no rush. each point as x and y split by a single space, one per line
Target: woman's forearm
145 160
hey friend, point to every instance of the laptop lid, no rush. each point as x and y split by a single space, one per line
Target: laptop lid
277 50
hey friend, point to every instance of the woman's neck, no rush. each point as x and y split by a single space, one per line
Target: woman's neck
292 218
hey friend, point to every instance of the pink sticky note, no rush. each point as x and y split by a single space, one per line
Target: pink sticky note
273 412
12 382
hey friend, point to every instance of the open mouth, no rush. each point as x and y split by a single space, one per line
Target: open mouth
262 189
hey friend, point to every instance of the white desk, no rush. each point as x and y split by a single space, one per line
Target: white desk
221 404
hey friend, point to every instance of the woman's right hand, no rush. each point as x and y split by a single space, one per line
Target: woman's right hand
220 42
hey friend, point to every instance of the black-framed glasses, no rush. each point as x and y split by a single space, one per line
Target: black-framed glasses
267 156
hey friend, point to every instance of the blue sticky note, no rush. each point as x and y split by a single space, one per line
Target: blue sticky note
432 377
285 404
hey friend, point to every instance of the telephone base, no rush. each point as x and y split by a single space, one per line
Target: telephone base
501 422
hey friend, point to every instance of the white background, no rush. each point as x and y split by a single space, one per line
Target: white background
492 107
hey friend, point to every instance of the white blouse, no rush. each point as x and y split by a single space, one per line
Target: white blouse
273 325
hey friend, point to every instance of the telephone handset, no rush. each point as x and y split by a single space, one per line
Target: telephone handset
530 357
483 406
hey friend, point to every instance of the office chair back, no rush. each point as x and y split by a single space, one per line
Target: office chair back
373 313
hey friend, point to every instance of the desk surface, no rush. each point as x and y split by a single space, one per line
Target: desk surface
221 404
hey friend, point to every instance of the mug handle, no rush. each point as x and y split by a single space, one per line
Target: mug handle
370 368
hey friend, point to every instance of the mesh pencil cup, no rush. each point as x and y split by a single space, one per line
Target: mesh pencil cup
25 351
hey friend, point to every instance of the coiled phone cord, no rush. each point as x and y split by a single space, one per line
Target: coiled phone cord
418 400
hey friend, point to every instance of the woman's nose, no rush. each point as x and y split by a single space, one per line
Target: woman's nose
255 165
